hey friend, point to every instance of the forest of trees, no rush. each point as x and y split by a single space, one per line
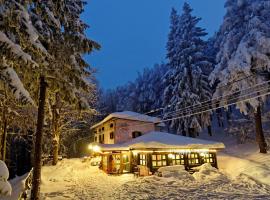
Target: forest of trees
46 85
202 73
49 97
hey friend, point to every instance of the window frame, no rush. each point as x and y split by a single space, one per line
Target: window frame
112 135
159 160
143 159
178 159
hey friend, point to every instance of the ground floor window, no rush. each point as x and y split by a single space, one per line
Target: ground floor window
159 160
177 159
142 159
208 157
193 159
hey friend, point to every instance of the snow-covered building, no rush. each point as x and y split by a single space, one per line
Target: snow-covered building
121 127
147 153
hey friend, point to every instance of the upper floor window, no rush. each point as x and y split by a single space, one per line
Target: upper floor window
111 125
136 134
99 130
99 138
96 139
111 135
103 128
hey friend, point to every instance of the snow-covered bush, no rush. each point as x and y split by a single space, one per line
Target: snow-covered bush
177 171
5 187
207 172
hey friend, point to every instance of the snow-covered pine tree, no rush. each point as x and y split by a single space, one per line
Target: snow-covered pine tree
186 82
19 45
66 73
244 49
149 88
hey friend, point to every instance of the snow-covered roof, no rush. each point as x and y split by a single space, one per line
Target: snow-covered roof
129 115
163 140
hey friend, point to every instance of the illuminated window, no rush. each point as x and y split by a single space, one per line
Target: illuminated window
208 158
111 135
177 159
143 159
193 159
159 160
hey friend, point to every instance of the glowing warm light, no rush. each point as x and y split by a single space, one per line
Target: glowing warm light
135 152
202 154
90 146
124 155
171 156
96 148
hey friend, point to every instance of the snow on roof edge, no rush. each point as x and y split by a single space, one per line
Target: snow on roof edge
128 115
163 140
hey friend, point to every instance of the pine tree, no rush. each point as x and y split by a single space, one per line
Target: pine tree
186 80
244 44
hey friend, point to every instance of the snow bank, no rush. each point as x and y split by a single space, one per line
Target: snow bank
256 168
207 172
5 187
177 171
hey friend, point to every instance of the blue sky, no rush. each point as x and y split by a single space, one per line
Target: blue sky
133 33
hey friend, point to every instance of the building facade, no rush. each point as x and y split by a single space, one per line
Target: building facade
124 126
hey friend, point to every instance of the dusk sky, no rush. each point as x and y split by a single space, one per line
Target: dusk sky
133 33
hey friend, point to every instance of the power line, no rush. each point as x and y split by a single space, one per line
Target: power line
197 106
211 109
228 84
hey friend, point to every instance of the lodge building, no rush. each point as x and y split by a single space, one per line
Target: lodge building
149 149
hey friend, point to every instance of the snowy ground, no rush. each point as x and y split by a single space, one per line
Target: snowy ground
72 179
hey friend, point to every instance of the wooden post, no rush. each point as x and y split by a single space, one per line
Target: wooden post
35 193
259 131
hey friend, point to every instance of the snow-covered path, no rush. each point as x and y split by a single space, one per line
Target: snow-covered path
72 179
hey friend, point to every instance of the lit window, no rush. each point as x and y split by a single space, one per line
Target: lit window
193 159
178 159
208 158
159 160
142 159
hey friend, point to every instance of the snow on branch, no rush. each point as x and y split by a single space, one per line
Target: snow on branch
9 76
30 29
16 49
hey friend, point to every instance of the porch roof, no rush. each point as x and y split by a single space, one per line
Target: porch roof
163 140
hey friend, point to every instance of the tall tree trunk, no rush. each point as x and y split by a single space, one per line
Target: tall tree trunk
55 127
55 152
259 131
35 193
4 141
4 128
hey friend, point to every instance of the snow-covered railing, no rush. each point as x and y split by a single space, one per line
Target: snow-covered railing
27 186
